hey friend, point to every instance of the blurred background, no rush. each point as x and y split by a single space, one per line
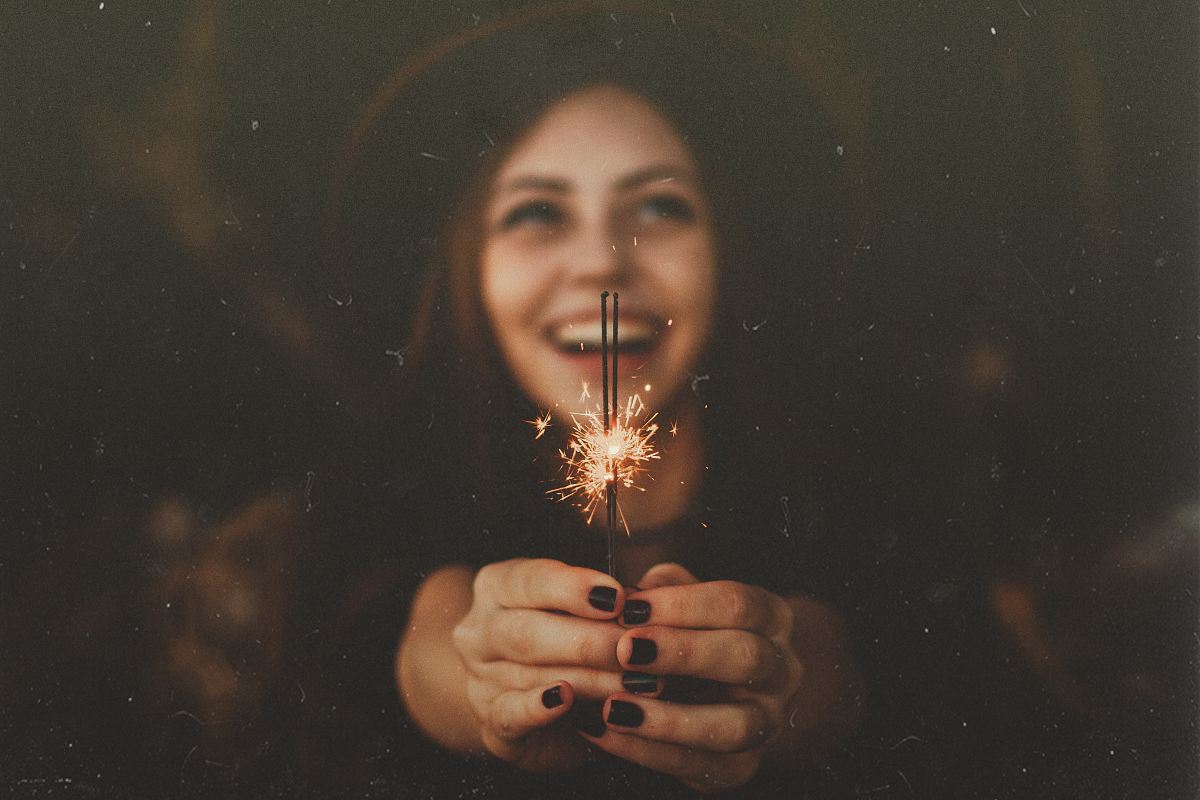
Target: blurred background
1011 359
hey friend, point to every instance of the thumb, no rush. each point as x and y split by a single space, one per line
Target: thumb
667 574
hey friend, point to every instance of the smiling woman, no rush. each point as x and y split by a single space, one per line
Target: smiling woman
561 226
517 652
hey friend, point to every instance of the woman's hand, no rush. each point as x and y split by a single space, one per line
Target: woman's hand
526 664
739 636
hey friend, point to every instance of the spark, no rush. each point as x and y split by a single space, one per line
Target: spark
595 459
674 428
585 395
540 424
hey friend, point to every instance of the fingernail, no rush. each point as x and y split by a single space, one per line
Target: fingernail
552 697
627 715
587 719
636 612
644 651
639 682
603 598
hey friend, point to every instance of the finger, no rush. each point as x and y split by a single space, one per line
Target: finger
666 574
720 728
710 606
700 769
543 638
517 712
589 684
734 657
542 583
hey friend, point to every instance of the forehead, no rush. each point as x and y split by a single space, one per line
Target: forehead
597 131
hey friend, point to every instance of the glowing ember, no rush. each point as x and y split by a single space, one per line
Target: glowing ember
595 458
540 424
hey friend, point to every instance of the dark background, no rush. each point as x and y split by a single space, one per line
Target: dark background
1014 344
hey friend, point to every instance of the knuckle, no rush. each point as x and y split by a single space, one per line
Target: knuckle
741 607
771 661
744 732
754 607
485 579
747 655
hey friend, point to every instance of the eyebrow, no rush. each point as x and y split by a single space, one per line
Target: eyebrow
657 174
538 182
663 173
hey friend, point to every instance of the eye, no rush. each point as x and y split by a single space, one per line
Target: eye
666 206
535 212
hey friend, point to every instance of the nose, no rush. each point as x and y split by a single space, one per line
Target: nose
597 255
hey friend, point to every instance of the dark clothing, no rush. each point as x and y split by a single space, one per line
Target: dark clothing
777 537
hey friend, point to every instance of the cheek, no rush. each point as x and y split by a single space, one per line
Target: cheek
503 288
513 280
686 273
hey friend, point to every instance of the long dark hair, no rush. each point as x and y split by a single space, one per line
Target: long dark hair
768 166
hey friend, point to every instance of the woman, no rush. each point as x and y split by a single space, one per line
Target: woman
516 646
487 664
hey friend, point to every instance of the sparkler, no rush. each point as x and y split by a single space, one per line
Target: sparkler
609 446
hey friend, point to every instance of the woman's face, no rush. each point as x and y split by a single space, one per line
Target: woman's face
599 193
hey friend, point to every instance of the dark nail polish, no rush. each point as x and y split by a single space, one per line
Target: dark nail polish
636 612
603 598
587 719
644 651
627 715
552 697
639 682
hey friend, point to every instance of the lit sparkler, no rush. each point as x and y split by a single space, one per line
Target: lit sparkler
609 446
595 459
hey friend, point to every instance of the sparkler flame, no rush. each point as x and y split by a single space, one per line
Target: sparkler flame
595 458
540 424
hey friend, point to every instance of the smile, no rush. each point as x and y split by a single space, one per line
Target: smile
636 335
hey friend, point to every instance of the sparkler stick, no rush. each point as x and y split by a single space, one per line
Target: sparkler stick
611 498
604 352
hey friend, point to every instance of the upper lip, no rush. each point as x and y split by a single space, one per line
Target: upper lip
577 314
634 319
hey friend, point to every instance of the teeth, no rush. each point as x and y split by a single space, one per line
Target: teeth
590 334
